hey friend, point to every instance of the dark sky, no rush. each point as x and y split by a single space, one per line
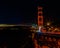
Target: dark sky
16 11
25 11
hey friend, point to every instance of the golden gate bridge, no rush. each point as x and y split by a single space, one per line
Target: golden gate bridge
45 39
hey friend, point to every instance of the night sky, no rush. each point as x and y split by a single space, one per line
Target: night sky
25 11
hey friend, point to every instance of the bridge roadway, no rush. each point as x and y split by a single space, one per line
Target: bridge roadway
47 39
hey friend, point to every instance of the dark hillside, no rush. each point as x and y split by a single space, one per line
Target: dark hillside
17 38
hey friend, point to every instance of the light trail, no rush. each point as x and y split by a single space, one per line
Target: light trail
7 25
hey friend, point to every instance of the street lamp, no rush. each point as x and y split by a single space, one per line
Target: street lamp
48 23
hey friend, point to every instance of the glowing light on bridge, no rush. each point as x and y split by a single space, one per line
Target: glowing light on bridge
48 23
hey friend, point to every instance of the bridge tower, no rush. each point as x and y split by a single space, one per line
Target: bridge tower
40 16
